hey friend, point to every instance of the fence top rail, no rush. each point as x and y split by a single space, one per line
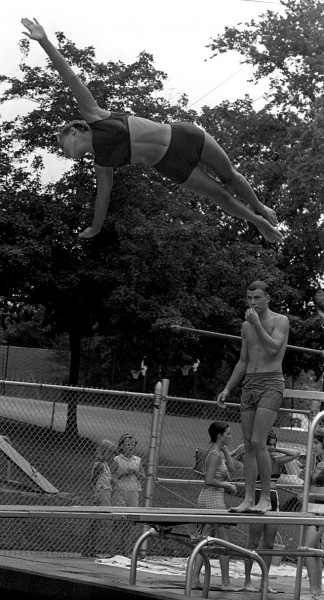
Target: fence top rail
237 338
157 515
304 394
68 388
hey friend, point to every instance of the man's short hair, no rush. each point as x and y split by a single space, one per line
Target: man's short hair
259 285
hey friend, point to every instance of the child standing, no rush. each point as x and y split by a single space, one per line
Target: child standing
128 475
101 474
127 472
101 485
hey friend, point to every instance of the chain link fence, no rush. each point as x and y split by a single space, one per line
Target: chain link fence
32 364
180 485
48 440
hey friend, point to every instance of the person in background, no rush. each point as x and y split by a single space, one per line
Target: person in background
180 151
217 465
313 536
279 457
127 472
101 487
100 478
128 477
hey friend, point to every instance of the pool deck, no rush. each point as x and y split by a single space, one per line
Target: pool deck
83 578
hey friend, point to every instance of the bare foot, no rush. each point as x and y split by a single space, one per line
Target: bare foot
242 508
269 215
261 508
229 587
269 232
250 588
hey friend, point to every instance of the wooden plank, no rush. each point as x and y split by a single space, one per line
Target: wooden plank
26 467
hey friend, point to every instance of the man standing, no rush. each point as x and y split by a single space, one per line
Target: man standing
264 341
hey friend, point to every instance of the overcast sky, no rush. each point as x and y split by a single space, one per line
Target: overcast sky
176 32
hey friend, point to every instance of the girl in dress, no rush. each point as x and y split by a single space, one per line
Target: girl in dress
127 472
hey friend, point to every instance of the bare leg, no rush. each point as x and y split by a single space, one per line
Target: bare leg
201 183
196 573
255 532
263 422
250 464
224 559
314 564
255 427
214 158
269 535
208 530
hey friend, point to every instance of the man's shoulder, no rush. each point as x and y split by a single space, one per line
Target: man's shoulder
280 318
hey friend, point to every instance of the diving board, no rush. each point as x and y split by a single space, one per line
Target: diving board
163 523
149 515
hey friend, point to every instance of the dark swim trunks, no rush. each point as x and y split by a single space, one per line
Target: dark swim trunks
184 152
262 390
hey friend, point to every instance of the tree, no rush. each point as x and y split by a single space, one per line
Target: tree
288 50
164 256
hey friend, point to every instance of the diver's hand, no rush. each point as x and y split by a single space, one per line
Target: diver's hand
35 30
89 232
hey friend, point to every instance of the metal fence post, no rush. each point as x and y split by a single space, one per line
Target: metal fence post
164 393
149 484
148 494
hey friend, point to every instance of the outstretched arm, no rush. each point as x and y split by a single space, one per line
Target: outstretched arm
87 104
104 185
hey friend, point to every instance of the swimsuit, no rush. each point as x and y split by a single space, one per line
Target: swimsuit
112 144
262 390
213 497
111 141
184 152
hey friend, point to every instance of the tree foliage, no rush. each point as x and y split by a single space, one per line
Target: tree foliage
164 256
